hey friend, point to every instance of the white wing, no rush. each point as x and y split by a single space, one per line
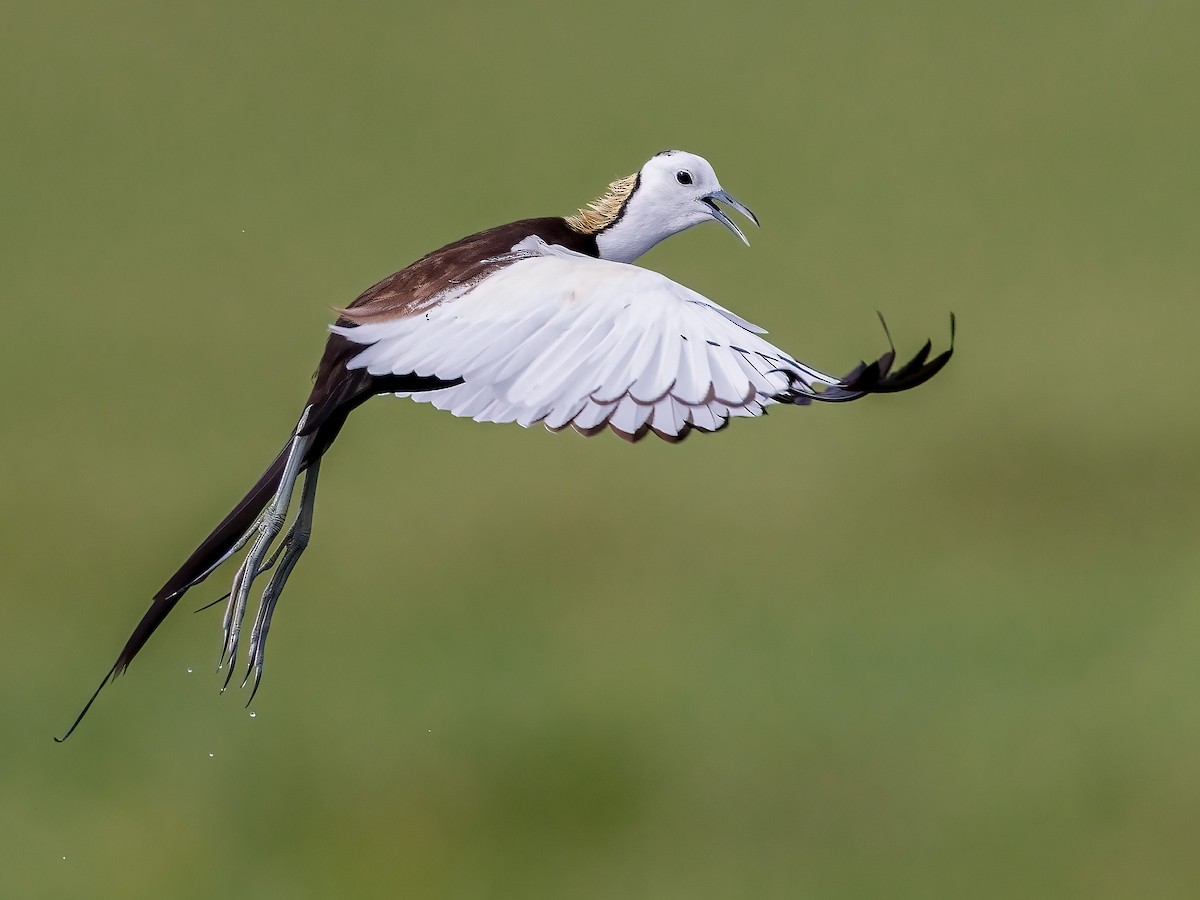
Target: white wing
565 339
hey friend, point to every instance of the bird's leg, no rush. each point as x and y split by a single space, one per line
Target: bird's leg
292 547
267 528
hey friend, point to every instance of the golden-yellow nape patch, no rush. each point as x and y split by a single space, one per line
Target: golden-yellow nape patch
605 209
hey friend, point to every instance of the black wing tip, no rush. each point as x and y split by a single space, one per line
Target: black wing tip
877 378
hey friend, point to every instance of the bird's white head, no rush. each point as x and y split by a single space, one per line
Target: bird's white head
672 192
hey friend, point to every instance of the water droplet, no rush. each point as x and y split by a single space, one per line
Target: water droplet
210 756
253 714
189 670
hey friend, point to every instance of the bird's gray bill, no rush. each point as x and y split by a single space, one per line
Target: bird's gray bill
734 203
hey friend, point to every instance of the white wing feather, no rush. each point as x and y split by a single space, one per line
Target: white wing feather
566 339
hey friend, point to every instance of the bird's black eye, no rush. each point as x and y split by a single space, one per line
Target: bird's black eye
683 176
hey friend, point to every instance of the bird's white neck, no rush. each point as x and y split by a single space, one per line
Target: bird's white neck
629 237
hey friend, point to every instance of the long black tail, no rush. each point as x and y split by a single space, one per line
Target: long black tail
211 553
336 393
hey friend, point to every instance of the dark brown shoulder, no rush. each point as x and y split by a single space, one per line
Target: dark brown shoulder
414 288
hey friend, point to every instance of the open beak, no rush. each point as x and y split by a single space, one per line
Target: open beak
719 214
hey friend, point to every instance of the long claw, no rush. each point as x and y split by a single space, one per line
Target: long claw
254 687
258 648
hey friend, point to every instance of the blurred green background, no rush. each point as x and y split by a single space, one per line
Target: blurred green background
935 645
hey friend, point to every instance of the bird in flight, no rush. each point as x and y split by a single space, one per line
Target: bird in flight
542 320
